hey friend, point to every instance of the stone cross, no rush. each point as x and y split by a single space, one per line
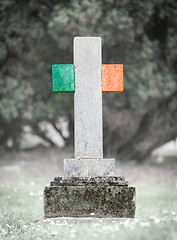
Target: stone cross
87 79
89 187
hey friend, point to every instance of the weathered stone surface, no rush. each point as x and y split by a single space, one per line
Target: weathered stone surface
89 167
89 201
93 181
88 98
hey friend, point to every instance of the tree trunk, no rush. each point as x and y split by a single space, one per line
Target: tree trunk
156 127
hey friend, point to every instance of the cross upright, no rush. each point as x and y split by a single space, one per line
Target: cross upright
87 78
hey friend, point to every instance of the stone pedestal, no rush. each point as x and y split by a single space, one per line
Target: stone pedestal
86 168
89 197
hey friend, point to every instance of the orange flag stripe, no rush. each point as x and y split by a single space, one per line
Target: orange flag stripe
112 77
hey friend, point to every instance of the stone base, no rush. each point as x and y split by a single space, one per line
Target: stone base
106 197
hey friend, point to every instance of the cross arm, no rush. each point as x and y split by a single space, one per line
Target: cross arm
112 77
63 78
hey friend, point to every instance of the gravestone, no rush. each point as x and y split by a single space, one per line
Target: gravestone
89 187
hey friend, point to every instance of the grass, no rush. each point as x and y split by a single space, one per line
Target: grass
21 216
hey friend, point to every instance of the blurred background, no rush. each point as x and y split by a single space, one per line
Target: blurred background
140 124
141 35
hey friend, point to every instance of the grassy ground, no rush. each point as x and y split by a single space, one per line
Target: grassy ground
21 211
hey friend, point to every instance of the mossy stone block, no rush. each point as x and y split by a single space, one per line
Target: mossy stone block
83 201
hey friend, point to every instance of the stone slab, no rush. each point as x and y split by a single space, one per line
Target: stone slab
88 98
92 181
89 167
89 201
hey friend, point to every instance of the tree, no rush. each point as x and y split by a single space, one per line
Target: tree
141 35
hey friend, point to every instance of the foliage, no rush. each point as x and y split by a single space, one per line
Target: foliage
35 34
